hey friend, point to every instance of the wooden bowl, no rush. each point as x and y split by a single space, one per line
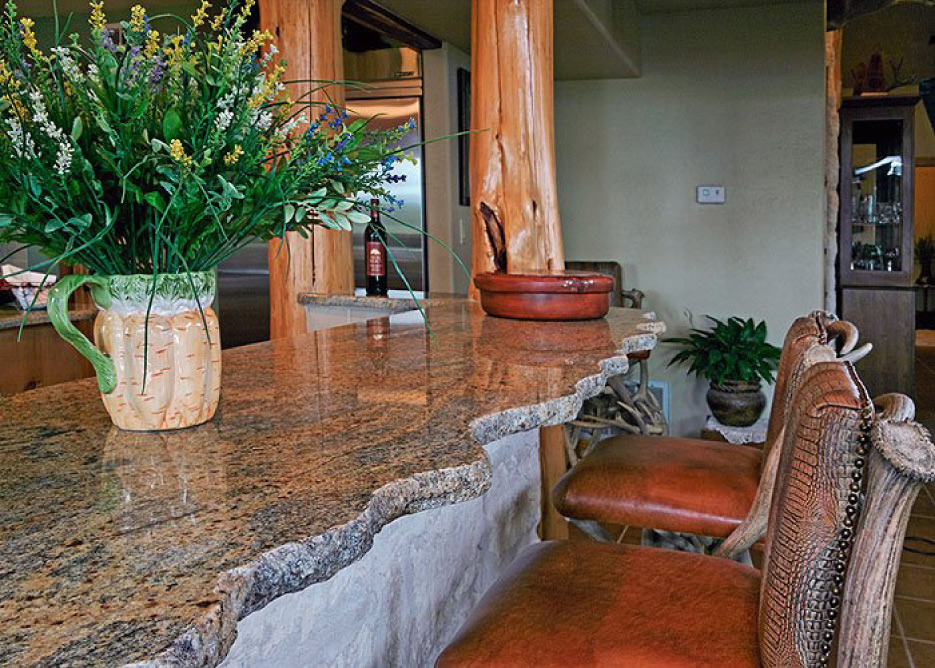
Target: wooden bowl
566 295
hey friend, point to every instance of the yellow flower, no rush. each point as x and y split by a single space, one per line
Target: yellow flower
270 87
97 20
29 37
247 8
152 44
137 19
174 50
177 151
256 42
234 156
199 17
218 20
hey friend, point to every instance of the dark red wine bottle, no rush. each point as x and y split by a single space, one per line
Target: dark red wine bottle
375 253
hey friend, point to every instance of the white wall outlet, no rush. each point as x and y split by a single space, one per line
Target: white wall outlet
462 233
710 195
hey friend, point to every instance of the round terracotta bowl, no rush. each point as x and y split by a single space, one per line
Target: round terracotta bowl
566 295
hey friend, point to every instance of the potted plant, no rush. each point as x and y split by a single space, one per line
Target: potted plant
734 357
150 162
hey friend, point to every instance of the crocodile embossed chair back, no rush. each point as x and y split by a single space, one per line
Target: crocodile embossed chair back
805 333
813 515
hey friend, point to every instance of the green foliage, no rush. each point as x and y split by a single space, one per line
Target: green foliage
734 350
169 153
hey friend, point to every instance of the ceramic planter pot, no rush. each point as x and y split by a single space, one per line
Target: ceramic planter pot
158 371
736 403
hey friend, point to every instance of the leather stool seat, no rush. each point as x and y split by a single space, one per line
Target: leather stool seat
674 484
594 604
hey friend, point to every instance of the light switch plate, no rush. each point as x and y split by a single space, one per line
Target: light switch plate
710 195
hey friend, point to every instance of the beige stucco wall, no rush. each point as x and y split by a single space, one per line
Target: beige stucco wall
732 97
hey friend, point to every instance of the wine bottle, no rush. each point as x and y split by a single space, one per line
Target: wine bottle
375 253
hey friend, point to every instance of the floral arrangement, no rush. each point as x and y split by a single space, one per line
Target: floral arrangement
168 153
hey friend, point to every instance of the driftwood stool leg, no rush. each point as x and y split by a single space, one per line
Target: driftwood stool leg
552 464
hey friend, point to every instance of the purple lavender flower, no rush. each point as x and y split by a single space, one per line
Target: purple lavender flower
107 41
159 69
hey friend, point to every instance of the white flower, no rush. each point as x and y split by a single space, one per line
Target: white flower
63 159
263 120
287 128
224 119
23 144
69 66
41 118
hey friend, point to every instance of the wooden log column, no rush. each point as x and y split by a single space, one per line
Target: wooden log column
515 220
308 33
833 40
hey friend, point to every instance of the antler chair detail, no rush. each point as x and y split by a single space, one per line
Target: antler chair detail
901 461
586 603
690 485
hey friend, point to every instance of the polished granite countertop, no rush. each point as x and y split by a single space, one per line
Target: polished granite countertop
120 547
11 317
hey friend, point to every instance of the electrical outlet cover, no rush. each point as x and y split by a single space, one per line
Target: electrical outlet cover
710 195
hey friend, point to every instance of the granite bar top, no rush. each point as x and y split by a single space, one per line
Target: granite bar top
11 317
120 547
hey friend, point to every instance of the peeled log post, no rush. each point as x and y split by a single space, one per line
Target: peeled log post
308 33
516 226
833 40
902 460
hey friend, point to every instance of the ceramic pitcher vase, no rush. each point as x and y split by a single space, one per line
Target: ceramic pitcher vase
158 365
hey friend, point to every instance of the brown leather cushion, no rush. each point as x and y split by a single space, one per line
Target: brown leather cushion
672 484
591 604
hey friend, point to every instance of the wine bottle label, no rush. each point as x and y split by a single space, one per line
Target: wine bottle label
376 258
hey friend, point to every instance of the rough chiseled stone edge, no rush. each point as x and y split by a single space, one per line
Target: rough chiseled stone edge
394 304
297 565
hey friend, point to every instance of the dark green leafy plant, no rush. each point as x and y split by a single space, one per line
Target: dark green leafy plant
735 350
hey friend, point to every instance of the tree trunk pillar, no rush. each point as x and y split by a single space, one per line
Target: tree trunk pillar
308 33
515 219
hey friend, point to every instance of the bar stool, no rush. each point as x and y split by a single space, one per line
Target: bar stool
826 575
695 486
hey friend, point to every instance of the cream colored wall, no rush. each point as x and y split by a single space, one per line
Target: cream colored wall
445 218
732 97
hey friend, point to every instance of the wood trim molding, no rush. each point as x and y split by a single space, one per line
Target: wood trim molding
374 17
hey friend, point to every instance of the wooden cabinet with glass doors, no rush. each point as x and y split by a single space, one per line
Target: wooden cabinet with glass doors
875 233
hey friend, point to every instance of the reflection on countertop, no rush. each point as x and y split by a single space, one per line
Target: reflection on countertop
120 547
